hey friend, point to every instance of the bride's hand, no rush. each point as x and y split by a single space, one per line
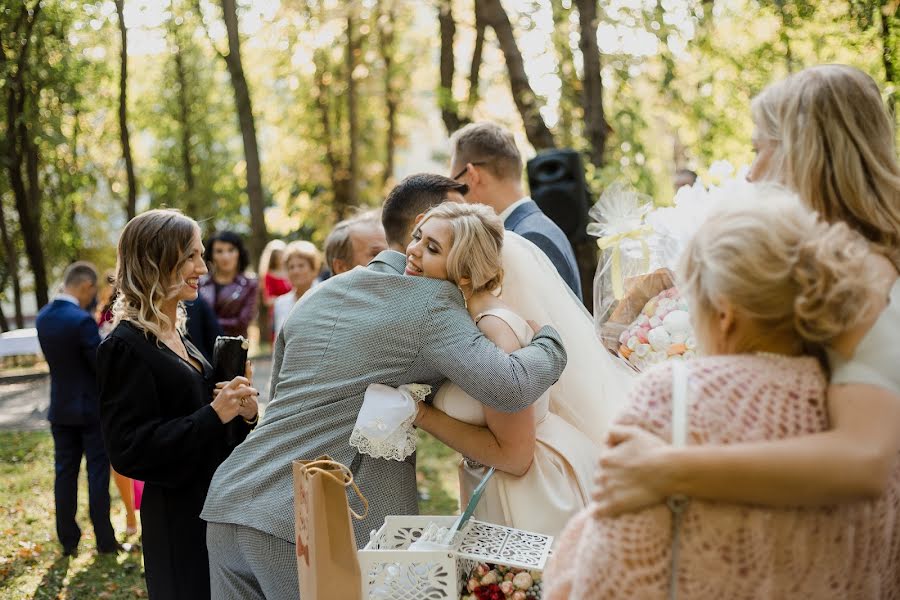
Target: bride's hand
626 480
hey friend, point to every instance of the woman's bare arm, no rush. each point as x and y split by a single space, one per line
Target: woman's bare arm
852 461
507 442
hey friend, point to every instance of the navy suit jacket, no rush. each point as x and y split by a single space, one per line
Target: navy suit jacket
528 221
69 338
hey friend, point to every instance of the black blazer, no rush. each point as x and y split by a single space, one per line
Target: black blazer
69 338
155 411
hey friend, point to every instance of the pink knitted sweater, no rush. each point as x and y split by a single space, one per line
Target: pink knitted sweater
727 550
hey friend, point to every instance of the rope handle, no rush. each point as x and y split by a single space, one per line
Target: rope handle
317 466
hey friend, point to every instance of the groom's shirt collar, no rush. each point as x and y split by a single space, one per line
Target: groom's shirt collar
393 259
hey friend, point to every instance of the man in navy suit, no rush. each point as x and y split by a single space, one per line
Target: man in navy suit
69 338
484 155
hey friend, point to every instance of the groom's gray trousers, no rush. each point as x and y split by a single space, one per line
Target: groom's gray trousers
247 564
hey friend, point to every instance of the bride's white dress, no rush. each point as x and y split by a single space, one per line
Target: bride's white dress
573 417
556 486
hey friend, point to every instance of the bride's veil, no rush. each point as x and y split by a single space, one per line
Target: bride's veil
594 384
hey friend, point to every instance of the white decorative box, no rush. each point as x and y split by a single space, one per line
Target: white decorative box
390 572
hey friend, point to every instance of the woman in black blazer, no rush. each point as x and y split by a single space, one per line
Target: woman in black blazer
164 420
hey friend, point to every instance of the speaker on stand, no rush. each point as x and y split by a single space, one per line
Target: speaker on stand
557 185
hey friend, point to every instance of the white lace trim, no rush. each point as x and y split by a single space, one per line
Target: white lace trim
380 437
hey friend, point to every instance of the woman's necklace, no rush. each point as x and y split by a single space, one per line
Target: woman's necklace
178 348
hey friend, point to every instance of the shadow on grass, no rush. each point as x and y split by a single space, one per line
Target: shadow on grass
52 583
105 576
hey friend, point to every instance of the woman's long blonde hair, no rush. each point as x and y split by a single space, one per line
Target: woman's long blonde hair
781 266
834 146
152 248
476 244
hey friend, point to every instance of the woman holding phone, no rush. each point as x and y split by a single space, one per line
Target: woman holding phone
164 419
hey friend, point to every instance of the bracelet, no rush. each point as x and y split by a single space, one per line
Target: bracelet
254 421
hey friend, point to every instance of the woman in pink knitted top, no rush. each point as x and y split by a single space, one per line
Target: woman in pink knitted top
768 283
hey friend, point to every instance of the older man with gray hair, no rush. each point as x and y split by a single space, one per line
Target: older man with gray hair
354 242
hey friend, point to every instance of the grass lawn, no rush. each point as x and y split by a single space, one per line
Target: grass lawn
31 561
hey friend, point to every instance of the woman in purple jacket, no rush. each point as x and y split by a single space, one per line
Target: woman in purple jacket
231 293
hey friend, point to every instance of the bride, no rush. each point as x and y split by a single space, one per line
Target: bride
545 455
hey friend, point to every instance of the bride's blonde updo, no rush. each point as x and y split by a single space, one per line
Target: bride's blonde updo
152 247
475 245
779 264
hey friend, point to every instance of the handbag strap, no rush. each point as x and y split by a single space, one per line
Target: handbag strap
328 468
677 504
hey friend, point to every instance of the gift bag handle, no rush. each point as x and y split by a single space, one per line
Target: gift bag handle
319 466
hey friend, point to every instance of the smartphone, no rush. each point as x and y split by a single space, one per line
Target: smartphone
229 357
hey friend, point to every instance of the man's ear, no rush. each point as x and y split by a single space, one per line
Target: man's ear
339 266
418 219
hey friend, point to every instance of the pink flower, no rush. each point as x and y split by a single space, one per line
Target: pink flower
522 581
509 576
481 570
473 583
518 595
507 587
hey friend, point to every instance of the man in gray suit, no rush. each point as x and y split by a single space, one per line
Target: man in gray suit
369 325
485 157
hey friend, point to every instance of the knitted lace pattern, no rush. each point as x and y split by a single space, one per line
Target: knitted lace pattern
728 550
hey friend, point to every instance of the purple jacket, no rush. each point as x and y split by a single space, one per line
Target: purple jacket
234 303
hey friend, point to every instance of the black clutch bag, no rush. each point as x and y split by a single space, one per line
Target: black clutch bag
229 357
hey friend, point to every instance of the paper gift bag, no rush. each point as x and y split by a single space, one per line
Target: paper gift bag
327 563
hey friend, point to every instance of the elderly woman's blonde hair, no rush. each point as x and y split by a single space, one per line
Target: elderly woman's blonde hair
305 250
476 244
152 249
780 265
835 147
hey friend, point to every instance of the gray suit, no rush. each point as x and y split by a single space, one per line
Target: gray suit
372 325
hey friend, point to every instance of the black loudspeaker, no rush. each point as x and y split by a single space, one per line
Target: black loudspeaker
557 185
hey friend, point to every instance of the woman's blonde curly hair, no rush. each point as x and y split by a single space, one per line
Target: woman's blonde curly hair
152 248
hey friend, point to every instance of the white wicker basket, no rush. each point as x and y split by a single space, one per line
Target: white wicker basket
390 572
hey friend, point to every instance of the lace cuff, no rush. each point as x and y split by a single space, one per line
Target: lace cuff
384 426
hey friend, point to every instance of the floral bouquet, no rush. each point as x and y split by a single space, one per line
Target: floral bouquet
497 582
638 312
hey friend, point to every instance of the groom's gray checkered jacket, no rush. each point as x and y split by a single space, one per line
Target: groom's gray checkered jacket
371 325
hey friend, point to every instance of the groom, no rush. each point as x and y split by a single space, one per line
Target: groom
370 325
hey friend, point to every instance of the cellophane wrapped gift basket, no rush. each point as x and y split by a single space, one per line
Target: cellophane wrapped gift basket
639 313
450 558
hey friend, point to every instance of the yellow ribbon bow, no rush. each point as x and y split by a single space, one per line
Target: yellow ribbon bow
614 241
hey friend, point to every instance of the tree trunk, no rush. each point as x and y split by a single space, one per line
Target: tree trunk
526 100
12 268
475 65
890 40
595 124
131 206
27 199
336 170
184 116
386 37
247 125
453 120
570 87
352 114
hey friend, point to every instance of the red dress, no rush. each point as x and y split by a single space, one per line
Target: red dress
273 287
